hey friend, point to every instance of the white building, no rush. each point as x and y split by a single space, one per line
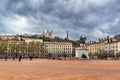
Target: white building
59 47
113 46
33 40
81 52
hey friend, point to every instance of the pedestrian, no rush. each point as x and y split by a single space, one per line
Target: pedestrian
13 58
30 57
20 57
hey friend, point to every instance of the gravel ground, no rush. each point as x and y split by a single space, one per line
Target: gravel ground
41 69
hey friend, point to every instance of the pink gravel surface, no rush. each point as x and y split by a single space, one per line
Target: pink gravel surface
41 69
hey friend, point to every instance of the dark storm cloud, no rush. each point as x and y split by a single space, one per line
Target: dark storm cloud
91 18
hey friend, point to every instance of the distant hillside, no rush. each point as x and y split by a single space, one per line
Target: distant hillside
55 39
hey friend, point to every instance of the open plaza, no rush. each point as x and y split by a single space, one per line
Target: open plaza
44 69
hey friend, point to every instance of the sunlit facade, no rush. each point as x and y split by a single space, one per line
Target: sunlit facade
59 47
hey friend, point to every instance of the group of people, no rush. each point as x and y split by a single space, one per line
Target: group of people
19 58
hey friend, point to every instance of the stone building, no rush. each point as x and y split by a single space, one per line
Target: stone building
47 34
81 52
59 48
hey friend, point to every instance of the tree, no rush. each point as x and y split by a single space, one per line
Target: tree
4 48
31 46
13 49
118 55
23 48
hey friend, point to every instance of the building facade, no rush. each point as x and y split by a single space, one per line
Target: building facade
34 47
101 45
47 34
93 47
81 52
59 48
113 47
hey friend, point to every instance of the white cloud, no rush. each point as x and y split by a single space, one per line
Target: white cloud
2 4
79 5
17 24
95 18
19 6
100 2
109 25
35 4
98 34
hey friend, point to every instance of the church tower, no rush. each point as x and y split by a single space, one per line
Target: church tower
67 34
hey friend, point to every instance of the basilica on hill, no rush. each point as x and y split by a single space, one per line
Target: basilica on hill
47 34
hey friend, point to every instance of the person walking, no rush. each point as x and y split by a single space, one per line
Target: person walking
30 57
20 57
13 58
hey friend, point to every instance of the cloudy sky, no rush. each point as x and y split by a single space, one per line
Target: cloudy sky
92 18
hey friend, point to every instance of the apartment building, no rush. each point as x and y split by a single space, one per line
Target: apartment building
113 47
59 47
93 47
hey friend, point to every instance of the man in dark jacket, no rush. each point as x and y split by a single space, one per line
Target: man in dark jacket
30 57
20 57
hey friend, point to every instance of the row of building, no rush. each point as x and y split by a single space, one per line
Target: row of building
54 47
59 48
47 34
35 46
93 47
108 44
